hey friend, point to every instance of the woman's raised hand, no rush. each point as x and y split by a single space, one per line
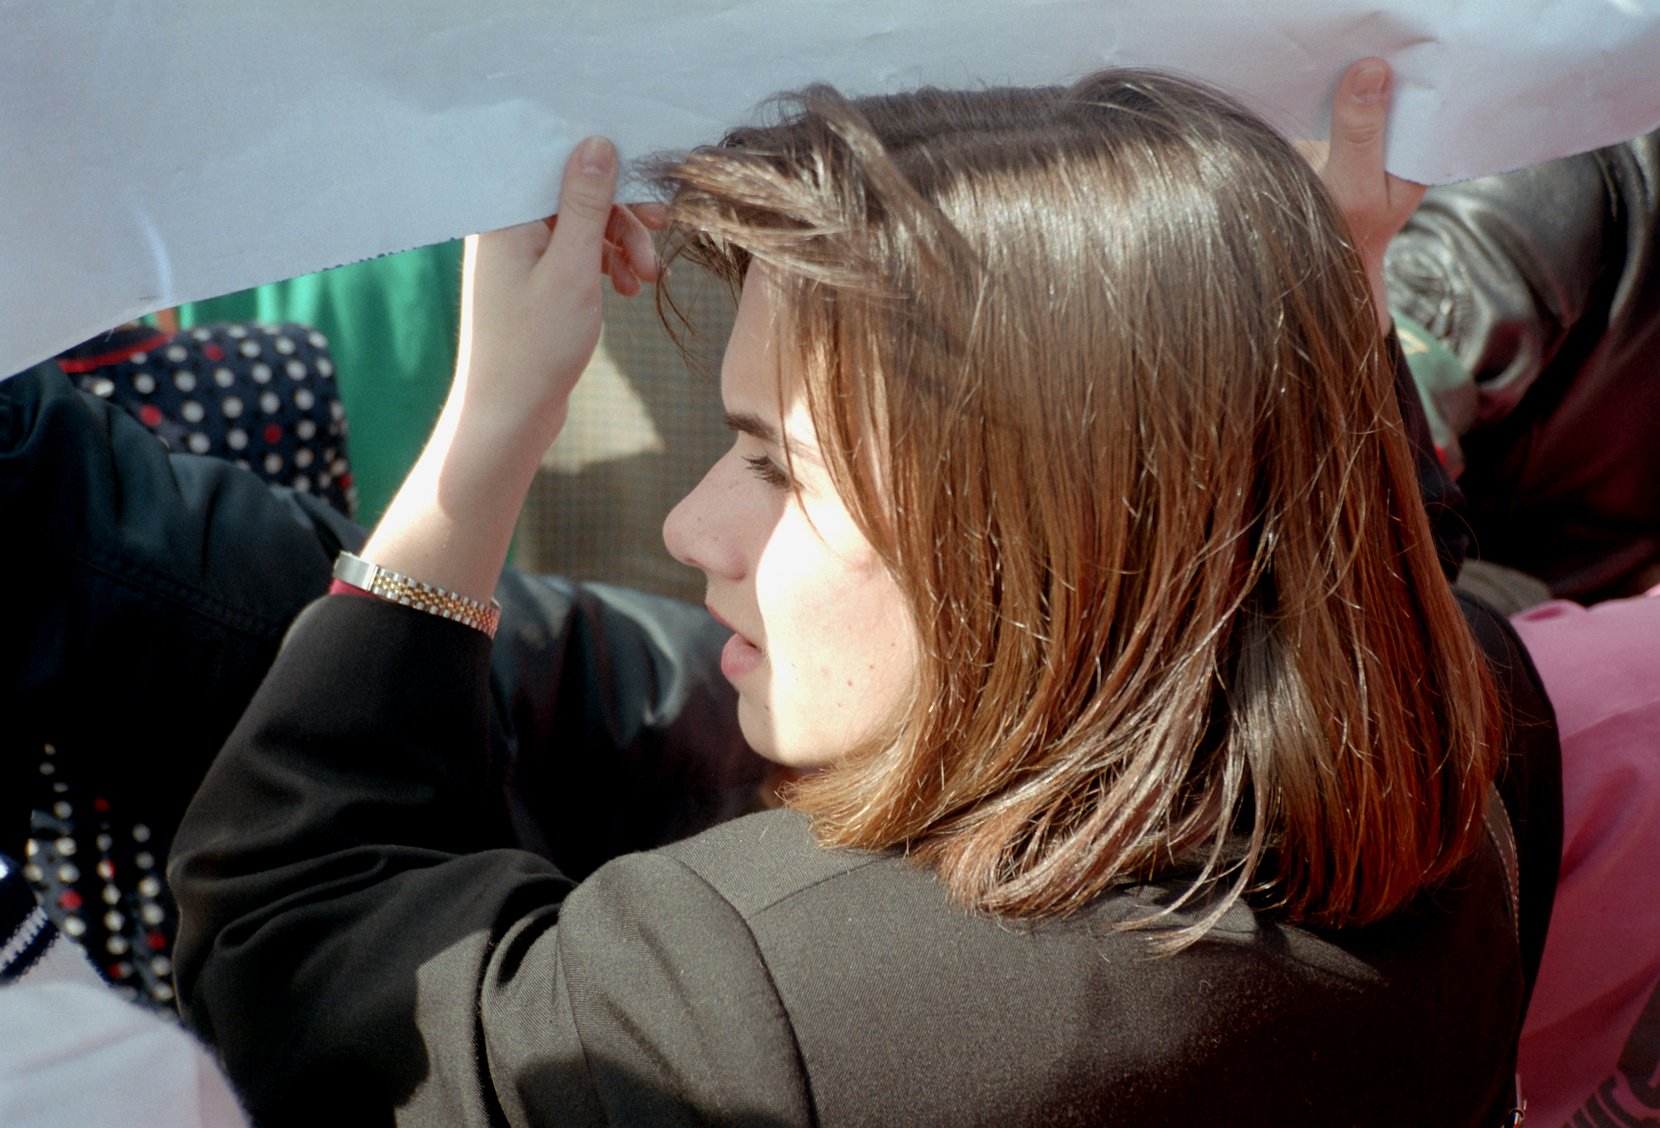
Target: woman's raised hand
1375 203
530 321
530 300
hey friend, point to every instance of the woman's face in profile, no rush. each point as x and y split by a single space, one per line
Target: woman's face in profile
823 651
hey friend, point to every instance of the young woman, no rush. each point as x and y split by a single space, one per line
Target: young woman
1068 531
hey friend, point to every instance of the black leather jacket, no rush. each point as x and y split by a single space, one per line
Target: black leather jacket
1545 284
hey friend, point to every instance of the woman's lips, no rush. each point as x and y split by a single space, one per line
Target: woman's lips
739 656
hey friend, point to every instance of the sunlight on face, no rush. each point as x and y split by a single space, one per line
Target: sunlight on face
823 651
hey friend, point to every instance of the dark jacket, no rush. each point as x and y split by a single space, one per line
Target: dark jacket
353 953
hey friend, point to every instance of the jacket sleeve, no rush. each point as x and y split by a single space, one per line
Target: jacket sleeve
349 929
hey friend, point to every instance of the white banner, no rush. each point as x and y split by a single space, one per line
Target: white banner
153 153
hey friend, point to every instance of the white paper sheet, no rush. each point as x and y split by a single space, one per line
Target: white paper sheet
156 153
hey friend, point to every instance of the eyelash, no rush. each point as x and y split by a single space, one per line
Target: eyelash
767 471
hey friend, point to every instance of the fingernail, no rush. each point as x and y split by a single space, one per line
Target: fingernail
1369 82
595 156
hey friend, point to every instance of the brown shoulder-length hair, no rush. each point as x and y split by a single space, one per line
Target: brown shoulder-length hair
1098 375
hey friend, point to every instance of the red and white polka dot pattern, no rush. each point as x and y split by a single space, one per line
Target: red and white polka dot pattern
262 396
98 876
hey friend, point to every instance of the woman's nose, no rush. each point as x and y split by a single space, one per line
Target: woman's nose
697 531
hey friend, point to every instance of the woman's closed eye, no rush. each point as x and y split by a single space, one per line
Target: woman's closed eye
767 471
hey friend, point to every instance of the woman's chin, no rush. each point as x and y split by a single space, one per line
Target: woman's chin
801 757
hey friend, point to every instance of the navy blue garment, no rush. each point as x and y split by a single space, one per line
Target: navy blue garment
260 396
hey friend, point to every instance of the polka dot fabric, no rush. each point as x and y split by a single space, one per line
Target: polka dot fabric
99 879
261 396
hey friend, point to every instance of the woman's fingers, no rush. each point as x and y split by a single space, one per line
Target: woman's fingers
591 228
616 264
585 196
653 216
629 257
531 301
628 232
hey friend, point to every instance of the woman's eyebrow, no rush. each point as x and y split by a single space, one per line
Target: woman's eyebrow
753 425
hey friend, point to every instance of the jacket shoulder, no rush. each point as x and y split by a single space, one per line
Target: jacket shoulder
760 860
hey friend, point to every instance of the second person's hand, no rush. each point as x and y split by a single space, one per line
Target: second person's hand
1375 203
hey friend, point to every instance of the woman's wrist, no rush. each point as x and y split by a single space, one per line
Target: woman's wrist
356 576
452 521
